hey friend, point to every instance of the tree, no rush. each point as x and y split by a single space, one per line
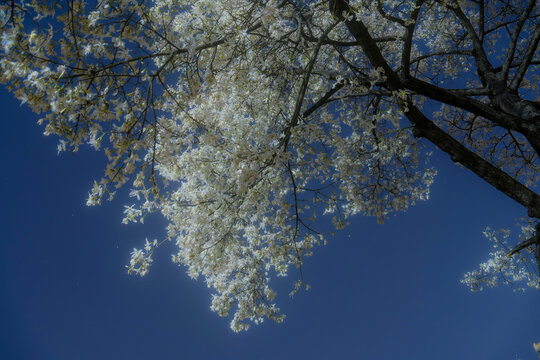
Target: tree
243 121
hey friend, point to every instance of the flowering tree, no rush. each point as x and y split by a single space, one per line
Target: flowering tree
243 121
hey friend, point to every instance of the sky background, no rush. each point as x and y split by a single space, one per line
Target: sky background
386 291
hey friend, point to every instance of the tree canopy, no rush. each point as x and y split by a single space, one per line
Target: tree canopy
243 122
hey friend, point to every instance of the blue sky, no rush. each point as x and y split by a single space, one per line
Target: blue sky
378 291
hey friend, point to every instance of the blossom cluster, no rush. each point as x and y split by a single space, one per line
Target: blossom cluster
519 271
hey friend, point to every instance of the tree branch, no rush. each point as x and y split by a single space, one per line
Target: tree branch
407 43
527 58
524 244
303 87
484 169
504 119
514 39
426 128
484 67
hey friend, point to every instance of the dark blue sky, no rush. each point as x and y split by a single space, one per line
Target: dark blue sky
378 291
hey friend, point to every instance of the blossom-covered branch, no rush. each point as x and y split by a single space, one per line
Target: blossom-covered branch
244 122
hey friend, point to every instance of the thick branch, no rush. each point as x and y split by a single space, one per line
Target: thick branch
482 13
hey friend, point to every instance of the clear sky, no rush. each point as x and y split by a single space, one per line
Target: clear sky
383 292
